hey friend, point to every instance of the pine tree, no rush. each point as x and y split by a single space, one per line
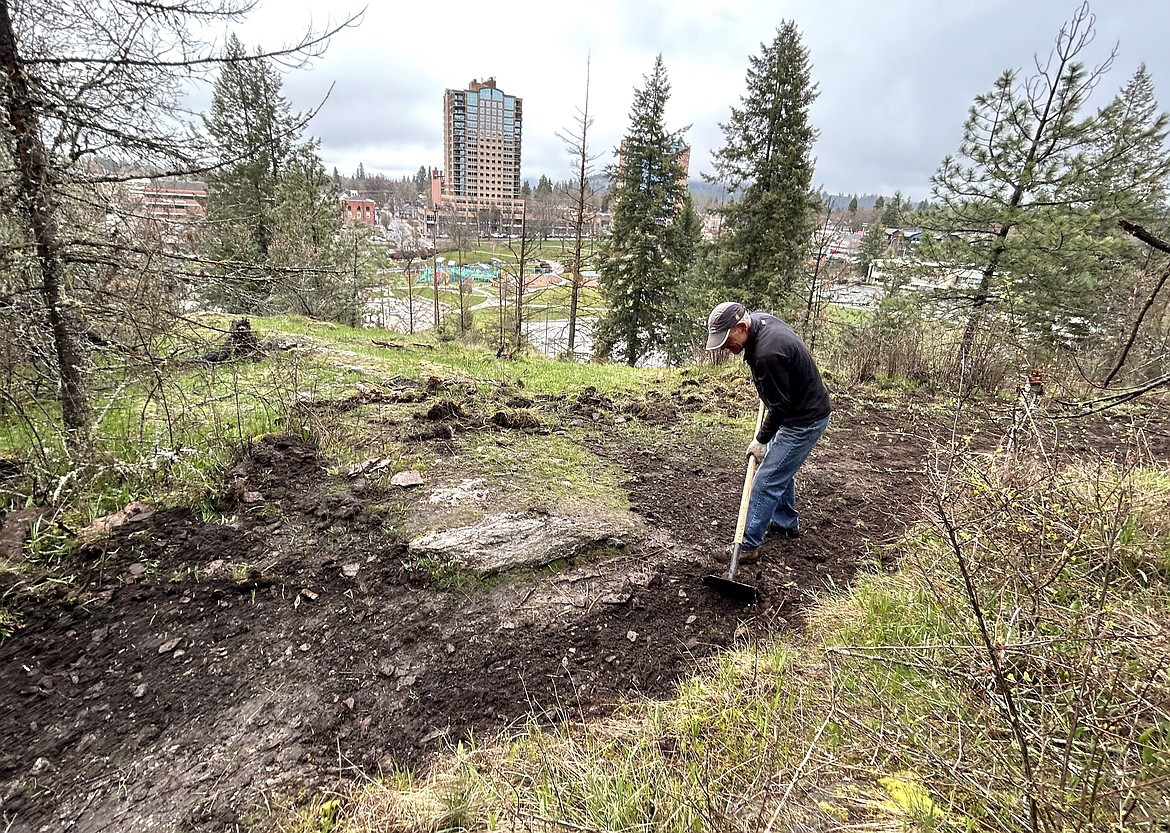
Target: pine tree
892 213
643 260
688 305
873 246
311 275
1032 198
1130 156
254 132
767 156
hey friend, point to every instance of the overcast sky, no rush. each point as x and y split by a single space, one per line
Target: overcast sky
895 77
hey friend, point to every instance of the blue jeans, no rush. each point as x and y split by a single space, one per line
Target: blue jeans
773 499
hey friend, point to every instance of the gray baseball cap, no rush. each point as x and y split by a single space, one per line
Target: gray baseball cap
721 320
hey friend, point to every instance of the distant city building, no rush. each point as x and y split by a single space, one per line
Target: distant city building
482 130
165 210
172 200
357 209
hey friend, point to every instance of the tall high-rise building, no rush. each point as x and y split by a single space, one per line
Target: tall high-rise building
482 128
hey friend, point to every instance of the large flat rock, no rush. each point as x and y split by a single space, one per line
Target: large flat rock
508 541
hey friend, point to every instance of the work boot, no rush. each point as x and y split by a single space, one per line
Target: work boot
746 556
784 531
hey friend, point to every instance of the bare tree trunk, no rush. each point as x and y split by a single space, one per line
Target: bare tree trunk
519 333
579 218
38 203
435 267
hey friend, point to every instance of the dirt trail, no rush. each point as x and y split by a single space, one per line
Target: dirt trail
178 693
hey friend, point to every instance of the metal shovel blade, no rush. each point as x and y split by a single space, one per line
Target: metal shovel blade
735 590
729 587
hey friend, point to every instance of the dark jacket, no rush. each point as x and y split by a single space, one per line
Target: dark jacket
785 376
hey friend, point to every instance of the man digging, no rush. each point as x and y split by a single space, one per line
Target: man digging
798 409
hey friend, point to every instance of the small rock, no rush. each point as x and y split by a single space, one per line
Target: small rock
305 646
407 479
691 619
450 648
348 703
179 653
632 636
168 646
140 692
39 766
351 570
103 526
14 531
253 498
137 569
308 594
386 668
374 464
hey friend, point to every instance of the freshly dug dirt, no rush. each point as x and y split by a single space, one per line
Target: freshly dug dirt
183 690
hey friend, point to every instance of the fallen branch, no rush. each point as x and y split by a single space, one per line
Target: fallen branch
379 343
1155 242
1144 236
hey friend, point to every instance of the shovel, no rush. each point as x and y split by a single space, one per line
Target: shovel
729 587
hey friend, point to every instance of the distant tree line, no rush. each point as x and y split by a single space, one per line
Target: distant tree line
1033 204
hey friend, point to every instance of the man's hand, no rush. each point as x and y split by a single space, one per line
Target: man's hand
757 449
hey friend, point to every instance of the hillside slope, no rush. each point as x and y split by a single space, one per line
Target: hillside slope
216 663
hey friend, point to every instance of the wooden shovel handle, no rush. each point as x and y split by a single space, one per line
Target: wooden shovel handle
747 483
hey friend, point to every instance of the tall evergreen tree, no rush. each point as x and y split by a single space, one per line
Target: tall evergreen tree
688 304
1129 154
767 157
892 213
1032 198
873 246
254 133
311 274
641 263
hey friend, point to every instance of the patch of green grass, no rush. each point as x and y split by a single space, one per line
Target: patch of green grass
548 471
10 622
449 576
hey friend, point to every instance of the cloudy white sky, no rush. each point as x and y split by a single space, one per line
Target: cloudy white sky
896 77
